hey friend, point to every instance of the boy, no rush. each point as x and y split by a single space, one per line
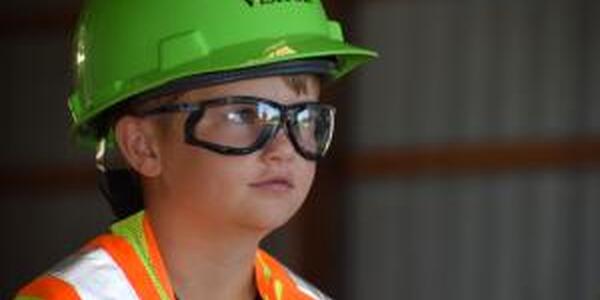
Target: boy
207 123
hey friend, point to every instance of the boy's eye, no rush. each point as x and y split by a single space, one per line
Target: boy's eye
242 116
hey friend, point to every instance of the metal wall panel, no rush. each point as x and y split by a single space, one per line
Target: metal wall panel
462 71
531 235
474 70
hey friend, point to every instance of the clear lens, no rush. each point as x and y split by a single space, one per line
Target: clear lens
313 128
235 125
245 125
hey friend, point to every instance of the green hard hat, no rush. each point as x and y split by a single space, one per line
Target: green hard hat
124 48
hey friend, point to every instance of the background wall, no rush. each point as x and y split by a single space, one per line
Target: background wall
466 162
470 88
48 203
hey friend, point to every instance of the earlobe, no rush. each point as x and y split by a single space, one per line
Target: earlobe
138 145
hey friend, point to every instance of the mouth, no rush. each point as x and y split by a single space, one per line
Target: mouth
275 184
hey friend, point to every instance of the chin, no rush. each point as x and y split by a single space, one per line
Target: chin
269 219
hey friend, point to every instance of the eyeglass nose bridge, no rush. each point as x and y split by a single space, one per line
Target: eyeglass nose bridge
285 112
284 121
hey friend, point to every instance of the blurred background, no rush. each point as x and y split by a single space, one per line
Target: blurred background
466 164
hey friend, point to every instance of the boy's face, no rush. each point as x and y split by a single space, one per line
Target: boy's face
258 191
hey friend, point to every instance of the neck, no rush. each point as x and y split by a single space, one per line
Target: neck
204 263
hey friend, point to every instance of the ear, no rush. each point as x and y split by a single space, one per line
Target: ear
137 140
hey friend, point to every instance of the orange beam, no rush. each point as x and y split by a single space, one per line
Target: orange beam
406 162
47 179
470 158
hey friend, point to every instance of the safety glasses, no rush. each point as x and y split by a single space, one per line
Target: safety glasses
239 125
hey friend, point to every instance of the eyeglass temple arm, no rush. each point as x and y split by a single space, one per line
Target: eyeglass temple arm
171 108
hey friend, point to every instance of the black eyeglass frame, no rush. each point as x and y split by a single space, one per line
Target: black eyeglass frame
286 118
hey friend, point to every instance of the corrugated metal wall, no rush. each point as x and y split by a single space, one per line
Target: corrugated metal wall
480 69
465 71
531 235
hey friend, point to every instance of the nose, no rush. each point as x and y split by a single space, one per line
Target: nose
279 148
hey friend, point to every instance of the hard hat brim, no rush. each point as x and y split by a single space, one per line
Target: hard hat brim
246 55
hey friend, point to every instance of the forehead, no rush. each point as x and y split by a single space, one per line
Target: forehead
284 89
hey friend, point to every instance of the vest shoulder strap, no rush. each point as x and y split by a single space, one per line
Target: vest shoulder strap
106 268
275 281
47 288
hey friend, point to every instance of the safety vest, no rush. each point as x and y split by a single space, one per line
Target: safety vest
126 265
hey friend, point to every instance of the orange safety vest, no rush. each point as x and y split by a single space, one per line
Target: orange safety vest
127 265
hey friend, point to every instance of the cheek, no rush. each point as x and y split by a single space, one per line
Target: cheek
188 170
200 174
305 175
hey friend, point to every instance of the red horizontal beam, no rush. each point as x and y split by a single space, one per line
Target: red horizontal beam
474 158
398 162
47 179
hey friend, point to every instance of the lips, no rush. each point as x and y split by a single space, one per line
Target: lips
276 184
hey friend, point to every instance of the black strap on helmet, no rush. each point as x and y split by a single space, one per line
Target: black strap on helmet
122 190
118 184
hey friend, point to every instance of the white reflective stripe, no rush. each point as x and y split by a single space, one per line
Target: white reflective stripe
306 287
95 276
